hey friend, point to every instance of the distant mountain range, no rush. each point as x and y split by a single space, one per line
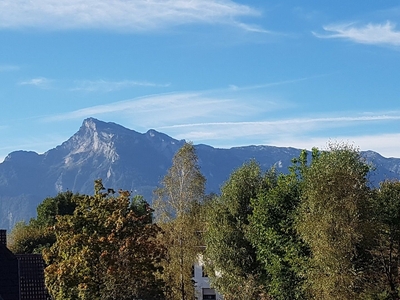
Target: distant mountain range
129 160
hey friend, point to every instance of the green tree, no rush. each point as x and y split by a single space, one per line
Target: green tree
229 256
104 250
279 248
386 208
37 234
26 238
333 221
62 204
177 213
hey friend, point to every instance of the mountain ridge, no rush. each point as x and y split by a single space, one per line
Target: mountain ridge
129 160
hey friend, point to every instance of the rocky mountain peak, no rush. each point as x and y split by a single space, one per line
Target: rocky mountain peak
94 138
90 123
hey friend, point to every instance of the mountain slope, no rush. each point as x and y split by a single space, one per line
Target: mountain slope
129 160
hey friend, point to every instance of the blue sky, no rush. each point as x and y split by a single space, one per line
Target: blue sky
220 72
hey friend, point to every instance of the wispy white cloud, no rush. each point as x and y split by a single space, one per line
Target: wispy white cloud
299 121
90 85
216 113
159 110
40 82
376 34
109 86
387 145
138 15
297 133
271 84
9 68
253 28
265 129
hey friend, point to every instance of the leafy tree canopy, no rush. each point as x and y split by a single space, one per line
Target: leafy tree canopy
386 251
333 221
106 249
230 257
280 250
37 234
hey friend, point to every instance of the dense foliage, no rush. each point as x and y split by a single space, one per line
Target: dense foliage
104 250
38 234
319 231
333 221
386 251
231 258
279 248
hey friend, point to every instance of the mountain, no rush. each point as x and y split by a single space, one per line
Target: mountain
129 160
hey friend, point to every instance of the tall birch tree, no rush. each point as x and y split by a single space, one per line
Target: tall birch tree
177 207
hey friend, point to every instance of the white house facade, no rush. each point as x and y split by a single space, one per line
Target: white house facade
202 284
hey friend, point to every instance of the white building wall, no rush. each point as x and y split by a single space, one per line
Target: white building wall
202 282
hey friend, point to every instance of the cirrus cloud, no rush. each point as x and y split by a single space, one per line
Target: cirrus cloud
39 82
137 15
109 86
374 34
9 68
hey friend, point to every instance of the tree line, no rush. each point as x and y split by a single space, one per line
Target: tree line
318 231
